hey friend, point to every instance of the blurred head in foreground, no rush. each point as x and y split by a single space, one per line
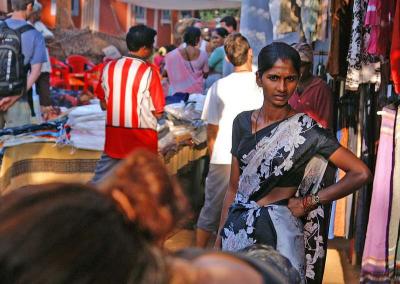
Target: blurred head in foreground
71 233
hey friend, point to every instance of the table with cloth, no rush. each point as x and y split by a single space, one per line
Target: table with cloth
67 151
35 163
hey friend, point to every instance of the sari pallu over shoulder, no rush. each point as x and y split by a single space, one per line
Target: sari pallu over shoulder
287 144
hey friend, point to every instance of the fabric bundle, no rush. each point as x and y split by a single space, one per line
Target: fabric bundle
45 132
87 127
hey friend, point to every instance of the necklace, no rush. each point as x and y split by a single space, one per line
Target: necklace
256 122
255 127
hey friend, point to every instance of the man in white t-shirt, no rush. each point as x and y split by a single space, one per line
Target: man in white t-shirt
225 99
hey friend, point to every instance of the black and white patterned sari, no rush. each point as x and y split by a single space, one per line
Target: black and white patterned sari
289 153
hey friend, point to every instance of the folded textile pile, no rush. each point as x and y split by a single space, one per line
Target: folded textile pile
185 123
86 127
45 132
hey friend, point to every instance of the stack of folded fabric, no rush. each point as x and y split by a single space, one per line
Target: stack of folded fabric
45 132
86 126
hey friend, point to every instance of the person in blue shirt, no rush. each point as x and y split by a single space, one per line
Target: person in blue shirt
15 110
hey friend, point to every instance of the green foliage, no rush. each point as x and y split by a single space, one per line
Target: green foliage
208 15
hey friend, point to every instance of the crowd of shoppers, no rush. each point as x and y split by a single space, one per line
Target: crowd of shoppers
269 143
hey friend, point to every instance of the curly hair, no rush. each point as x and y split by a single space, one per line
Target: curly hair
148 195
96 236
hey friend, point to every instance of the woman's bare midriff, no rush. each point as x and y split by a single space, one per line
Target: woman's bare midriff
276 194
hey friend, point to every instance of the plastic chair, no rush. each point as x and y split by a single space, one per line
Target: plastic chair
59 76
79 68
92 77
79 63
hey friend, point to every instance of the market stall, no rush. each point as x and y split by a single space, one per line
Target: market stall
67 149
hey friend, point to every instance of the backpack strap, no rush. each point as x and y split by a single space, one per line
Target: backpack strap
3 24
25 28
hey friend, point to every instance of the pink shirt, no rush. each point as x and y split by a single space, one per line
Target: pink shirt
186 76
316 101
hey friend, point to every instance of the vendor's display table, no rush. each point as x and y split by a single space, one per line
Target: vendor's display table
35 163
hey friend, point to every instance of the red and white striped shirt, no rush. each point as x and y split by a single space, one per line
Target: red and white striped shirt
132 89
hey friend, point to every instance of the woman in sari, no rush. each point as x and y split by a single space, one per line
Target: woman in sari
278 160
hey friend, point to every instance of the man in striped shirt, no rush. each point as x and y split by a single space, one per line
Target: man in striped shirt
131 92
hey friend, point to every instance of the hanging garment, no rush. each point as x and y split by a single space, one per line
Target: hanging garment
309 17
289 13
256 23
395 212
340 34
371 126
322 22
395 50
379 18
372 21
363 68
375 258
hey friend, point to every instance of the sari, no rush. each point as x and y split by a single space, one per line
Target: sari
291 152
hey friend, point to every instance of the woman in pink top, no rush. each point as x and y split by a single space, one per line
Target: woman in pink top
187 67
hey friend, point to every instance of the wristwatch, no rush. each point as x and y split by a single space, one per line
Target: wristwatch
315 199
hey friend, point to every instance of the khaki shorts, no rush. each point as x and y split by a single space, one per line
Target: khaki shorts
17 115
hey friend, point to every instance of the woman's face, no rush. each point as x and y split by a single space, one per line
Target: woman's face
216 39
278 82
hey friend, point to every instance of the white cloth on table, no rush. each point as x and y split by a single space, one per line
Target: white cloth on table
87 125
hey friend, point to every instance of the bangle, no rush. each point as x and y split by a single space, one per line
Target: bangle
315 199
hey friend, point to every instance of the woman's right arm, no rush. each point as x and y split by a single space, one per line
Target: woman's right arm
229 197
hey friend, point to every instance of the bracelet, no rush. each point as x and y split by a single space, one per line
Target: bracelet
316 200
310 202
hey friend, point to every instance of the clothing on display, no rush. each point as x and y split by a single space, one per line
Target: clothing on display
363 67
395 50
256 23
379 18
340 37
375 257
394 224
310 10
